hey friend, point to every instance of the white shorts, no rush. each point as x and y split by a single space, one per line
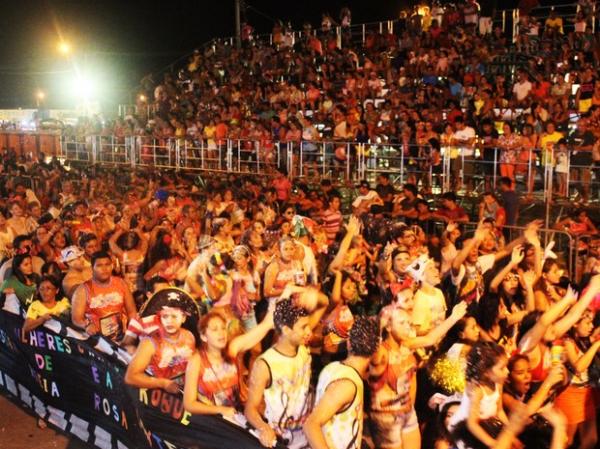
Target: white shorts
388 427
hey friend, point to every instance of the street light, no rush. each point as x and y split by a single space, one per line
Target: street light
64 47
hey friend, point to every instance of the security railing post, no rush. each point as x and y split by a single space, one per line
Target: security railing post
228 155
360 160
154 151
495 174
348 161
569 175
257 152
202 149
94 149
277 147
402 164
323 158
290 159
132 148
300 163
239 156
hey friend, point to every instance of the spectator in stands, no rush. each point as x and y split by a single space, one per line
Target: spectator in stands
450 210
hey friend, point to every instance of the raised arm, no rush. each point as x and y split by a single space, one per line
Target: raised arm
531 339
515 259
251 338
438 332
352 230
559 328
469 245
112 242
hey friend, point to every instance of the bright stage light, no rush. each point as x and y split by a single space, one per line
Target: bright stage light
83 88
64 47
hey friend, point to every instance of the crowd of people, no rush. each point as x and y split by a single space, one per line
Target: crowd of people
386 322
446 81
391 324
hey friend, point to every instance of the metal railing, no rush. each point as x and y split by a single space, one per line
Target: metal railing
566 246
469 169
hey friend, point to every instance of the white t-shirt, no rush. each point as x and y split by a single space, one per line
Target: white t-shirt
522 89
485 262
429 310
464 135
371 196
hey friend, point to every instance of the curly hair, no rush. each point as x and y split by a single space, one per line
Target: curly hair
364 336
286 314
483 356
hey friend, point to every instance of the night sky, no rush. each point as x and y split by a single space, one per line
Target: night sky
117 42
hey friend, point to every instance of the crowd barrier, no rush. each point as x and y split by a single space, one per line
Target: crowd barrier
567 247
460 169
75 383
30 143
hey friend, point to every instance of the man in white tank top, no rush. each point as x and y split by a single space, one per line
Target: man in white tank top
281 375
337 419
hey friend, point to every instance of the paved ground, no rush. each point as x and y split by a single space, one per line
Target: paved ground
19 430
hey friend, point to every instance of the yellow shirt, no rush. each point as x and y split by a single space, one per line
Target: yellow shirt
547 143
38 309
555 23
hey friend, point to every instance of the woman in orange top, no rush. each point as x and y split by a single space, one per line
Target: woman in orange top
212 378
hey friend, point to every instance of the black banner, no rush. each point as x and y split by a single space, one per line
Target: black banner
75 383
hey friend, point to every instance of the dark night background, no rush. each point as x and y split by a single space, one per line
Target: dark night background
123 40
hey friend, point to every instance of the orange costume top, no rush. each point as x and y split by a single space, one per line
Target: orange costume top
105 306
394 389
171 355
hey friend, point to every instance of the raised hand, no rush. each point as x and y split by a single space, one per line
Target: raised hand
459 310
529 278
518 254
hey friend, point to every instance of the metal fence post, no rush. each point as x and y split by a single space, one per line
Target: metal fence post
290 159
95 140
130 143
495 166
348 160
177 153
301 165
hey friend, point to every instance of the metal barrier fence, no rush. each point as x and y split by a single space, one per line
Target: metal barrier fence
566 246
540 173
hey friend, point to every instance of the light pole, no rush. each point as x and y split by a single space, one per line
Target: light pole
39 97
238 25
